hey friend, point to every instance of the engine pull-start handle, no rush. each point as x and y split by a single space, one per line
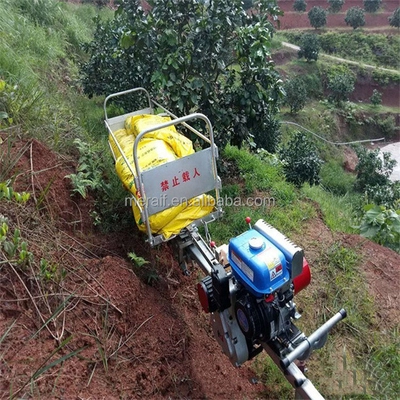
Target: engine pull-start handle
308 343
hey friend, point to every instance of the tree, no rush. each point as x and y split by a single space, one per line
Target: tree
299 5
335 5
183 52
376 98
317 17
394 20
309 47
355 17
373 168
300 160
372 6
340 86
296 94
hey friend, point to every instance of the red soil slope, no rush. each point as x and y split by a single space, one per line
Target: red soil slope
292 19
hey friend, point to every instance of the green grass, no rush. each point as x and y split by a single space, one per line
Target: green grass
337 211
357 349
38 61
263 193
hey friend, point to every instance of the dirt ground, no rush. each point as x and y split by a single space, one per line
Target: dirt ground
119 337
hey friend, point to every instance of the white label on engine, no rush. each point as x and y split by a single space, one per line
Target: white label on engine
246 270
274 273
271 259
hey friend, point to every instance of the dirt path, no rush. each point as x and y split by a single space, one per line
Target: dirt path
368 66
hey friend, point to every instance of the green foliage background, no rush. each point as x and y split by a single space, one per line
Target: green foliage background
192 56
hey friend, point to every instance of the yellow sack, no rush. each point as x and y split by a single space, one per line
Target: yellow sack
159 220
124 139
181 145
197 208
156 148
150 154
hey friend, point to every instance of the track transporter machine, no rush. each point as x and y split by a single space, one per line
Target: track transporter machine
251 282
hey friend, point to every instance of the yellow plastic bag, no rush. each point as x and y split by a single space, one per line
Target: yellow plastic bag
124 139
181 145
150 154
159 220
197 208
157 148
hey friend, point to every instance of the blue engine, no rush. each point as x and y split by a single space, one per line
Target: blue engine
257 263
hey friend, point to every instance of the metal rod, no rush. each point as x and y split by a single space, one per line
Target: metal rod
313 338
125 92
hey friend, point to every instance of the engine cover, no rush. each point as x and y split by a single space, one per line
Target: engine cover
257 263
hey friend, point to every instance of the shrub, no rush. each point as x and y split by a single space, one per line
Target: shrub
309 47
373 168
269 136
340 86
382 225
372 6
296 94
299 5
317 17
376 98
335 5
355 17
394 20
387 125
300 160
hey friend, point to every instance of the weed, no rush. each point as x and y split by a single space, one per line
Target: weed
137 260
144 269
381 225
7 193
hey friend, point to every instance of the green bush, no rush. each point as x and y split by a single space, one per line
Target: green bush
373 169
355 17
376 48
309 47
335 5
341 86
381 225
394 20
385 78
317 17
299 5
296 94
372 6
387 125
376 98
300 160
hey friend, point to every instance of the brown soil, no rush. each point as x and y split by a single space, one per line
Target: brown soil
134 340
